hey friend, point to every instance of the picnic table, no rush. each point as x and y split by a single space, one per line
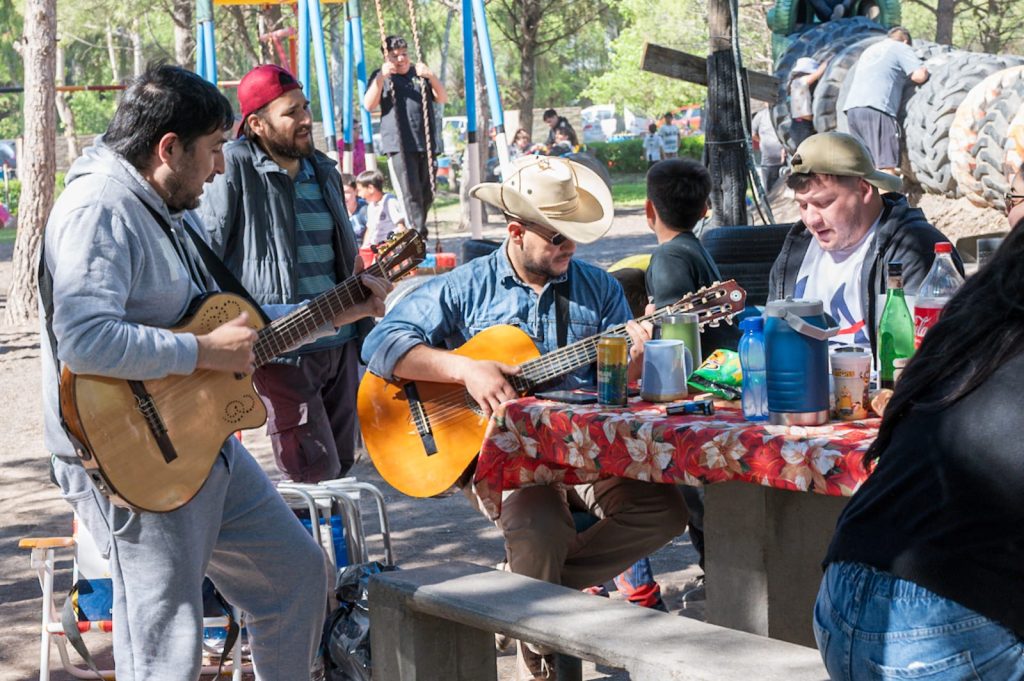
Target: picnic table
772 493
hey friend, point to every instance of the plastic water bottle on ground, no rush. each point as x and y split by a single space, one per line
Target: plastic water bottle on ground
752 362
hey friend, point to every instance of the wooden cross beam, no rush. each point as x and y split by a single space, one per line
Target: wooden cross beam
682 66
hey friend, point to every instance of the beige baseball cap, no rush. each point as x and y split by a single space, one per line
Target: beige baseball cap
836 153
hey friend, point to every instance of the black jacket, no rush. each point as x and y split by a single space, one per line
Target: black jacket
903 234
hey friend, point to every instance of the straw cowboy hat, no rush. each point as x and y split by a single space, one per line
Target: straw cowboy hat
555 193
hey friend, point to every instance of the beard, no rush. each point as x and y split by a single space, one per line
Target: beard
180 196
279 145
545 268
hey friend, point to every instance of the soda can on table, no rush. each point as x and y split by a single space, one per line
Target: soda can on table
612 362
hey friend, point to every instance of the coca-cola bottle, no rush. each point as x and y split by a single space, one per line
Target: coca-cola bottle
937 288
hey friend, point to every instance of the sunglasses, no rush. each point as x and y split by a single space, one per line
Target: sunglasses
1012 199
553 238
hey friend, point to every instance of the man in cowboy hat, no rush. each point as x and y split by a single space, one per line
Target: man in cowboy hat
550 205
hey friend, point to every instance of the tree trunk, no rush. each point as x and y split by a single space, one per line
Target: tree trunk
945 13
67 115
37 166
724 129
138 57
184 36
529 25
115 61
242 30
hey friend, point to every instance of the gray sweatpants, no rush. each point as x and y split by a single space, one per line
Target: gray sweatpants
238 531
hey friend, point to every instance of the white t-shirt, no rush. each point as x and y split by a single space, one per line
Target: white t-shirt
382 218
654 147
834 278
669 134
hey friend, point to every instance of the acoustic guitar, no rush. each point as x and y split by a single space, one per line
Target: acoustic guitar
150 445
422 436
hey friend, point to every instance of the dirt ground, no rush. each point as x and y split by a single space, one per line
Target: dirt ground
424 531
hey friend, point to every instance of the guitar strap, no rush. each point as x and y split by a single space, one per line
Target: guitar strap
226 280
562 312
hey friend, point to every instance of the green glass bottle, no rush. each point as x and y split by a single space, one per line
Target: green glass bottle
896 329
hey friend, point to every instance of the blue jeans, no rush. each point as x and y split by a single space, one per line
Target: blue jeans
870 625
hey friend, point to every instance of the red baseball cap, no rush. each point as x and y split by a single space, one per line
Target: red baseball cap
263 85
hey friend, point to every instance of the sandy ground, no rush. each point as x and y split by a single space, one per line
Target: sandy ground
424 531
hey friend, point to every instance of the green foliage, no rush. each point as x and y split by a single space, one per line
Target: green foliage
14 190
628 156
93 111
620 157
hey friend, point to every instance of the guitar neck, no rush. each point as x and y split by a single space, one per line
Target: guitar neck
574 356
293 329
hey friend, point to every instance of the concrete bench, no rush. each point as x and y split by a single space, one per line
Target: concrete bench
439 623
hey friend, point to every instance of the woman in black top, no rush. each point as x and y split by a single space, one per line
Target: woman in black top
925 575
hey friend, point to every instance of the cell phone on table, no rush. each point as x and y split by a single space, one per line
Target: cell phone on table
568 396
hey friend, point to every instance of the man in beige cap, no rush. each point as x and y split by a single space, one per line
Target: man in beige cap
550 205
853 222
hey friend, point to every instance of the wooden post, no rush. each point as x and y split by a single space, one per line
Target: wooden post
723 132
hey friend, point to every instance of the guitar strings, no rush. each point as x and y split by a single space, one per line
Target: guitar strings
552 365
301 319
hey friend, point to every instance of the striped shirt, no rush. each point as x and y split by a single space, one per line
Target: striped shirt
314 246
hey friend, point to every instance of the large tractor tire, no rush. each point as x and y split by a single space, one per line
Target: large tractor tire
1014 145
789 17
821 42
930 114
964 132
990 149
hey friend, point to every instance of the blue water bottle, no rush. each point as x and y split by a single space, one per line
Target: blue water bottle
752 361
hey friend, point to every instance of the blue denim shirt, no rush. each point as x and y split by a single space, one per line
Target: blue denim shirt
448 310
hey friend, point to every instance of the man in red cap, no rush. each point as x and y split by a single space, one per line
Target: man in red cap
277 218
407 132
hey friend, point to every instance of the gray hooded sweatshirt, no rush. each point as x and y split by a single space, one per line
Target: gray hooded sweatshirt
118 282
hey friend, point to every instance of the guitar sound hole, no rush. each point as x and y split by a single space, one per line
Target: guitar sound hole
236 410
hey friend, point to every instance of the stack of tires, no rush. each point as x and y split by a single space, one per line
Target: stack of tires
963 129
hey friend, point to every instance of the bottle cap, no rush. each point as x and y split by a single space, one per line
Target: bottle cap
943 247
752 324
895 268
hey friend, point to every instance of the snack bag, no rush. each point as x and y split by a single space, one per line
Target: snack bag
719 375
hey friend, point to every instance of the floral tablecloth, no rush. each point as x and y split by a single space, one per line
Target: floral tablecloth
533 441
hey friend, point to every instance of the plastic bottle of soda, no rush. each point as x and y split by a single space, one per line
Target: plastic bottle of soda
752 362
937 288
896 330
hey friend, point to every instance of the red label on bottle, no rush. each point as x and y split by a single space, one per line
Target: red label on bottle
924 319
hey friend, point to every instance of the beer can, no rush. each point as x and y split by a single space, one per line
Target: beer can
612 362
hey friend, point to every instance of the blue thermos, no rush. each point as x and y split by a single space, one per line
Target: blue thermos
796 337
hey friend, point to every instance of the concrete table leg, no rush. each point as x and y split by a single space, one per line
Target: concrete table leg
410 646
568 668
763 554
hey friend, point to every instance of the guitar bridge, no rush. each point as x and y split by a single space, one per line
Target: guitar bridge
147 407
420 419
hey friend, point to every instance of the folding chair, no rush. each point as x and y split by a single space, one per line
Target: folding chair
90 568
338 501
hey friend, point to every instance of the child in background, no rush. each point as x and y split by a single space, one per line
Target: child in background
383 213
654 145
563 143
355 206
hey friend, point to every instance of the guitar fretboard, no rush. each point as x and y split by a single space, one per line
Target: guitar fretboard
545 368
288 332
